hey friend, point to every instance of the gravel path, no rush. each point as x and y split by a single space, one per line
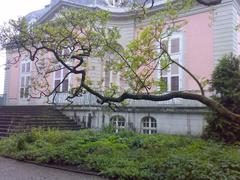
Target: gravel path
15 170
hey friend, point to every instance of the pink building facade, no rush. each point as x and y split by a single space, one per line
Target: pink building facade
209 34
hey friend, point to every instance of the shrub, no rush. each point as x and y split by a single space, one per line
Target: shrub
225 83
127 155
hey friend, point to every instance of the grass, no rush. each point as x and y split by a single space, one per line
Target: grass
127 155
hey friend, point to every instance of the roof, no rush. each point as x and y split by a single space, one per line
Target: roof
100 4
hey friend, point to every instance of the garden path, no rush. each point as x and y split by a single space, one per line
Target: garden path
16 170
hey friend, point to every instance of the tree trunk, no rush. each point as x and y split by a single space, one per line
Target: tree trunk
212 104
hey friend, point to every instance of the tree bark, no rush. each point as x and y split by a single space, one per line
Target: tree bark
220 109
209 2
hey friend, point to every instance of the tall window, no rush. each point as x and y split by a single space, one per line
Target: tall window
110 75
25 79
58 78
118 122
172 76
149 125
107 77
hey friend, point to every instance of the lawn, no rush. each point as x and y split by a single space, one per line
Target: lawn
127 155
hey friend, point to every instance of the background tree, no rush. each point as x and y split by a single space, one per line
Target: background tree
225 84
79 35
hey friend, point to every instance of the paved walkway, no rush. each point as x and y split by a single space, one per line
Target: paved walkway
15 170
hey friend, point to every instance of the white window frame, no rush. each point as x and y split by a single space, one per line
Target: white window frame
24 76
178 56
114 120
61 78
150 128
111 73
117 74
114 3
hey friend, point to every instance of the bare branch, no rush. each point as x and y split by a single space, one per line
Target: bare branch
185 69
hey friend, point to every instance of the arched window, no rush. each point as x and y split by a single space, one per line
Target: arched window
149 125
118 122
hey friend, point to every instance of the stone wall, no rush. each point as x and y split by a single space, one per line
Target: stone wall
170 120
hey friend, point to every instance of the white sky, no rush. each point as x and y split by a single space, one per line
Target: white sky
12 9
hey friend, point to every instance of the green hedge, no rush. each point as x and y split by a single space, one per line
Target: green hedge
127 155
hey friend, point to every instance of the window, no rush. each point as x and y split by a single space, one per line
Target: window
26 66
25 79
110 75
174 83
172 76
149 125
175 45
58 77
116 3
107 77
118 122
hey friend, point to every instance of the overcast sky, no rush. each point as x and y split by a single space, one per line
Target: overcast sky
12 9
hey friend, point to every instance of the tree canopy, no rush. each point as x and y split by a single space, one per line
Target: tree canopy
76 36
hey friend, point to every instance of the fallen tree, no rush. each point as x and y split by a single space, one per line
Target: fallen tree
79 35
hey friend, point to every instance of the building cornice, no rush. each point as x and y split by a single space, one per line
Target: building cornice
115 12
124 14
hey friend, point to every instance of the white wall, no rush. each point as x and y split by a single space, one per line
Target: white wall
179 122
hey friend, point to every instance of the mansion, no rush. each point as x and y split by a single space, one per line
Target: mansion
208 35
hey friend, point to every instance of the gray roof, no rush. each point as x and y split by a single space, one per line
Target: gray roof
101 4
35 15
84 2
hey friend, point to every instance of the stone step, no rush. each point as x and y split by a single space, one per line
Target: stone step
16 131
26 129
29 110
22 128
17 121
7 123
35 111
49 123
4 129
32 109
27 107
52 121
66 122
22 118
4 134
31 115
4 125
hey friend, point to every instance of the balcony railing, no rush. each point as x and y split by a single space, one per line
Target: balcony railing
86 99
91 100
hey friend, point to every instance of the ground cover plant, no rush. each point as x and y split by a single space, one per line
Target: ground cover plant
127 155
